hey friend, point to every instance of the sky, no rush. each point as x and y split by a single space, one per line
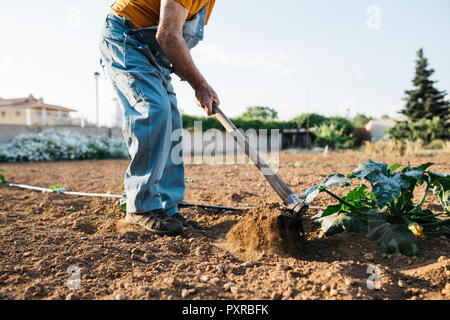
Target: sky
296 56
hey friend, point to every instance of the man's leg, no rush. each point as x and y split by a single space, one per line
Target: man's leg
172 185
147 126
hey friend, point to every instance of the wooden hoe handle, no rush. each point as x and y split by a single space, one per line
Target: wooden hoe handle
281 188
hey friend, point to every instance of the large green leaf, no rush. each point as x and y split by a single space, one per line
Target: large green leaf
332 180
393 238
332 209
369 167
388 188
394 167
357 196
414 173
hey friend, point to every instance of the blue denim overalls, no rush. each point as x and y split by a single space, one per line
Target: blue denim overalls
140 74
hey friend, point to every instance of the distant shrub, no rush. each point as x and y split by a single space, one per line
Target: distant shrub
425 129
332 136
315 120
341 123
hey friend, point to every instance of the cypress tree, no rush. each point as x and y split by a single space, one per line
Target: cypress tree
425 101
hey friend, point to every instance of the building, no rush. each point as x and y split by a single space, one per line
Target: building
377 128
31 111
298 138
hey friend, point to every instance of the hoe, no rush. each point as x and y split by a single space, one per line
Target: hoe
290 199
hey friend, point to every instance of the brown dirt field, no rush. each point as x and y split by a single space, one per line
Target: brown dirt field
44 234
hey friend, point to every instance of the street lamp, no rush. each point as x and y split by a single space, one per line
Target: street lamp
96 76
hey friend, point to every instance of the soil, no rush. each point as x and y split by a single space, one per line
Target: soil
47 237
268 228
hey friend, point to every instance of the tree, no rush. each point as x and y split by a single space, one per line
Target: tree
311 119
425 101
259 113
360 120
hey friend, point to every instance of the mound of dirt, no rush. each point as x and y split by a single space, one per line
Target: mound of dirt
268 228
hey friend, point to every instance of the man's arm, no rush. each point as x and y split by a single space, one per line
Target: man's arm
170 38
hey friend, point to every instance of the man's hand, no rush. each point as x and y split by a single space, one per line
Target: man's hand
205 98
170 38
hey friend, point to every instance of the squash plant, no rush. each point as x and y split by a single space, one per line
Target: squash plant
386 213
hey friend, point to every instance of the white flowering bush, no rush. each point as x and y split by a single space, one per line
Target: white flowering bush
64 145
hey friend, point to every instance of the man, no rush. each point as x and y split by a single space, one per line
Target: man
143 42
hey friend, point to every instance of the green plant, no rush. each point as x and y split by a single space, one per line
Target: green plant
332 136
123 202
424 129
259 112
2 178
386 214
57 188
296 164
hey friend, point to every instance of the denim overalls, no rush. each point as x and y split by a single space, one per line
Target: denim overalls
140 74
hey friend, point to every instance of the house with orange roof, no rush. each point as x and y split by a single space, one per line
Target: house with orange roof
32 112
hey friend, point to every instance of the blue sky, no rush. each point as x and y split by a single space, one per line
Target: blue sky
345 55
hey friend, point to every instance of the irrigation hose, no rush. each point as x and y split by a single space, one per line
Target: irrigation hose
115 196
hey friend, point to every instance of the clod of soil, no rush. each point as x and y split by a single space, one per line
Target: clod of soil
268 228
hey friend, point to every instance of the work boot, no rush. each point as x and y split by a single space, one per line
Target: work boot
157 222
186 222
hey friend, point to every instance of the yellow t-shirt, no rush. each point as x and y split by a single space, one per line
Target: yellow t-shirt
145 13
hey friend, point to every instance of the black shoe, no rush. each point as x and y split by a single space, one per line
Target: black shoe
157 222
186 222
